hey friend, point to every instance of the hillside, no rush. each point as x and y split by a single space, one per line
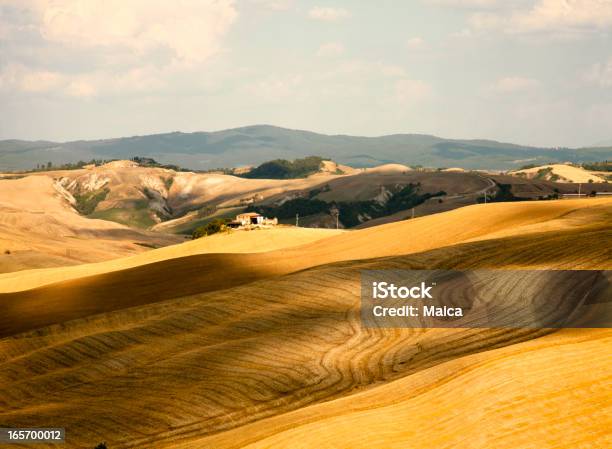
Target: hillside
282 360
170 201
561 173
256 241
143 197
478 398
113 289
50 217
253 145
40 228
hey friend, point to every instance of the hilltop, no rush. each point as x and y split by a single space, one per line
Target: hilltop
254 145
562 173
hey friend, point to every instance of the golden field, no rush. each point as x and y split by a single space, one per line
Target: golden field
219 344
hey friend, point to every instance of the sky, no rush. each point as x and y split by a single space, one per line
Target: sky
535 72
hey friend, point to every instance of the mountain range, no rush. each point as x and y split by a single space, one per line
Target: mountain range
253 145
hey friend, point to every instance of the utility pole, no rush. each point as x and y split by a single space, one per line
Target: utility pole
335 212
297 220
579 189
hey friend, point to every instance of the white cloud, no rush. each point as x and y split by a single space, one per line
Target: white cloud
330 49
109 45
82 85
600 74
547 14
514 84
328 14
415 42
19 77
558 18
190 29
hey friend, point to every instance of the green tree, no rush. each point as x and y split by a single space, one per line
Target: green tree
210 228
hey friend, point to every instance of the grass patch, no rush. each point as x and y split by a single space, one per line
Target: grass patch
547 174
86 202
137 218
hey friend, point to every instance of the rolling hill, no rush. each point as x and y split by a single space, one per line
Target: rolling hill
63 217
175 201
39 228
478 400
562 173
104 288
256 241
253 145
267 350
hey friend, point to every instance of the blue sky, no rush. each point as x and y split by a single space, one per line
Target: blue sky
528 71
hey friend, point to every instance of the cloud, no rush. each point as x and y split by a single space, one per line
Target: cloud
328 14
415 42
514 84
191 30
16 76
556 14
557 18
600 74
330 49
81 85
81 48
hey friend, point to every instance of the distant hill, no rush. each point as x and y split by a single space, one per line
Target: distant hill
253 145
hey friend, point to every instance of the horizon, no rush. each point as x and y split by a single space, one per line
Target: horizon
263 125
530 72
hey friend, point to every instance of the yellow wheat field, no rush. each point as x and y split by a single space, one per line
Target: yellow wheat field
267 350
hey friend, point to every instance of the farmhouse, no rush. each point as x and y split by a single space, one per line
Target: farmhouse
252 219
